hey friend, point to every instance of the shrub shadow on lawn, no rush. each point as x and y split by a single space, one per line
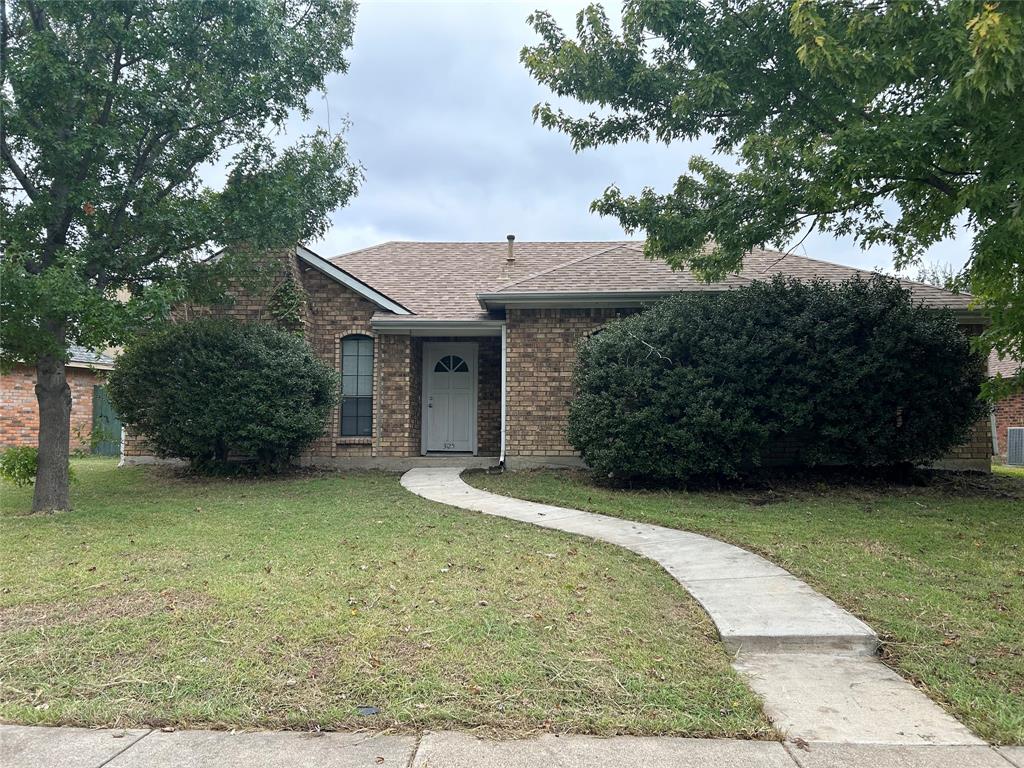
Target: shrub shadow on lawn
772 485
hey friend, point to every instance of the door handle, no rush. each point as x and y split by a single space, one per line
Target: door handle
430 402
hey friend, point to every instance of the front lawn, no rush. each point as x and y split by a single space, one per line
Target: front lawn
937 571
1008 471
163 600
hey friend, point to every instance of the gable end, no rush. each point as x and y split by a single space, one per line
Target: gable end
339 275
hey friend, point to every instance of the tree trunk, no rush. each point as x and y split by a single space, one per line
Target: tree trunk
54 396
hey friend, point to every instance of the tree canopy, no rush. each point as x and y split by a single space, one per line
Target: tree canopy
114 114
888 122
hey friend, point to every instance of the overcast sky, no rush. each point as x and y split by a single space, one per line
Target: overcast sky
440 118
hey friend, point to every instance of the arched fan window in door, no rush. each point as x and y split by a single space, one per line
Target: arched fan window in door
451 364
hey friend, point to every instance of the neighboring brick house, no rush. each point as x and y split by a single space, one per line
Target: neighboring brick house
1009 411
19 410
465 351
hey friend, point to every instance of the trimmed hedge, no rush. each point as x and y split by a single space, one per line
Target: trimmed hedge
218 392
712 384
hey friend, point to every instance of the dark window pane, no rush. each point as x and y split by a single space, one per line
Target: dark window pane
351 345
348 408
357 416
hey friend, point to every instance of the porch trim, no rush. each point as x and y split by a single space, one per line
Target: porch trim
494 301
410 327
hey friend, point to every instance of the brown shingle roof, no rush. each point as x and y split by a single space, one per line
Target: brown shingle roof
761 263
1007 367
442 280
615 269
81 357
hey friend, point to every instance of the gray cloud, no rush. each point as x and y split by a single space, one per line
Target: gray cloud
440 117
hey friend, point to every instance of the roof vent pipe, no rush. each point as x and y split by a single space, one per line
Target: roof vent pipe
511 255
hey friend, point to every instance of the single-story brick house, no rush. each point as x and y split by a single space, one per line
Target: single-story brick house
1008 411
19 409
465 351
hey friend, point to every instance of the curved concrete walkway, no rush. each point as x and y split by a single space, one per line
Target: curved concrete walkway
811 662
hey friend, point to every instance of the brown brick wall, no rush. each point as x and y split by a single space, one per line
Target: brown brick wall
1009 413
541 352
541 349
416 396
394 432
135 445
975 454
19 411
332 312
488 413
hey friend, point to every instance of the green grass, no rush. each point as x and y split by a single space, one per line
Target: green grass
938 571
1003 469
163 600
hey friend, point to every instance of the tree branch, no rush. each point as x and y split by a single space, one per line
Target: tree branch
27 185
115 75
12 165
653 350
36 14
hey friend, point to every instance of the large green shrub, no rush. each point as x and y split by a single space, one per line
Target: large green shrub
712 384
216 391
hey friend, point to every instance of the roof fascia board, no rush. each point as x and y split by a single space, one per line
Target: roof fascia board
571 299
401 326
84 364
491 301
971 316
341 276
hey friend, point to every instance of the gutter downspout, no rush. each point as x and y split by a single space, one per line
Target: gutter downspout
504 357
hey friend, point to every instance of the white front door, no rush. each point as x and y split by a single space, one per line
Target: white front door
449 397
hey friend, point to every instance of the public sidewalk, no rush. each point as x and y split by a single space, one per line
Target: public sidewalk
40 747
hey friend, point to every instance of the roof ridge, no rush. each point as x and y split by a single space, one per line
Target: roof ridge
786 255
626 243
362 250
936 287
569 263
